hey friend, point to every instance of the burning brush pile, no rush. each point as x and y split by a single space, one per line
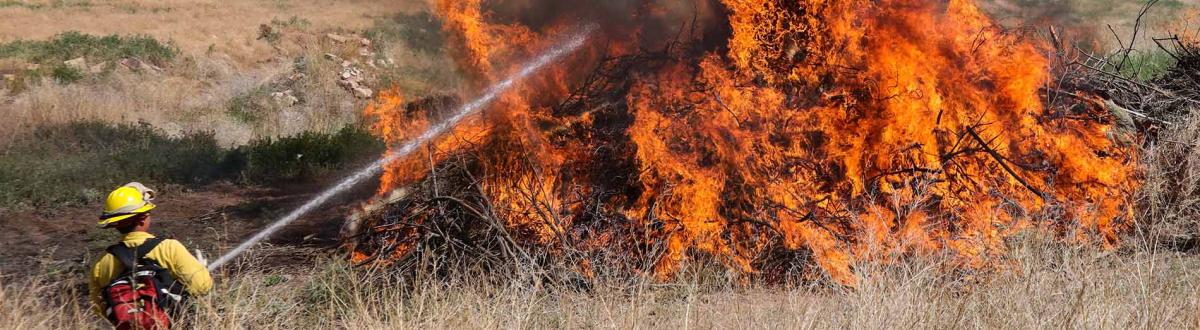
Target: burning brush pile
779 139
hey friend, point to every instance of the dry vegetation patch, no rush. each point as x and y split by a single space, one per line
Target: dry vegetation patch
1049 286
226 71
226 28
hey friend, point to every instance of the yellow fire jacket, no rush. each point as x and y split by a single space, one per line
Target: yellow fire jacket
169 254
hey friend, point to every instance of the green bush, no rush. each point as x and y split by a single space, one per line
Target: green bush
73 44
1148 65
76 163
65 75
71 163
306 155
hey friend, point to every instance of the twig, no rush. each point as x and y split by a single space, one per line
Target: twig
1137 24
1003 164
491 221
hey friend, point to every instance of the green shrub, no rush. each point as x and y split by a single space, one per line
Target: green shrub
65 75
69 163
73 44
306 155
1147 65
75 163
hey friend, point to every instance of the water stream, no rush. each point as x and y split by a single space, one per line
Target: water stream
565 47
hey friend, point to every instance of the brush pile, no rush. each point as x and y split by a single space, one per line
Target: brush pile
780 140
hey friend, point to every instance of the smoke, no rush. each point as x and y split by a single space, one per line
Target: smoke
645 23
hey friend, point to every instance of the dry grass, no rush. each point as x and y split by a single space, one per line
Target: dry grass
228 28
1092 18
177 103
1049 285
1170 195
196 92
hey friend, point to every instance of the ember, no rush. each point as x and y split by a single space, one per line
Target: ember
813 136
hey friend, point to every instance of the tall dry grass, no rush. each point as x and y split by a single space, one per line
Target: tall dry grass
1170 196
177 103
1048 285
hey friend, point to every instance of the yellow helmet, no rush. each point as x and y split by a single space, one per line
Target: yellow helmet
127 201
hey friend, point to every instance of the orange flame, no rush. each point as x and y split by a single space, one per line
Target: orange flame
846 131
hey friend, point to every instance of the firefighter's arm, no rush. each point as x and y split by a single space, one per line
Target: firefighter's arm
186 268
102 273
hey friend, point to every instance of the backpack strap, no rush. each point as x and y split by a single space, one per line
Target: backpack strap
127 255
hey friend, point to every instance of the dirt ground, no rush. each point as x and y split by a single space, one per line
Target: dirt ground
212 218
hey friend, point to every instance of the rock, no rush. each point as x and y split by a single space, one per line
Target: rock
98 68
351 79
365 52
79 63
363 92
350 73
347 64
337 38
285 98
131 63
347 84
136 64
365 42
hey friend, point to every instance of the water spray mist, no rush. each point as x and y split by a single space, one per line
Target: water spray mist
565 47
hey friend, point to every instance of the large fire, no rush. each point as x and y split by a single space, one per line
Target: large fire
816 133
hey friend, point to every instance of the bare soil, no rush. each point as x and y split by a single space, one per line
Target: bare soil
213 218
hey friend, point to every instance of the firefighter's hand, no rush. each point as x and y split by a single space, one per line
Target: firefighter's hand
200 257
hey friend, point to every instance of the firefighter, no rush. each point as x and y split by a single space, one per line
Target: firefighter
120 278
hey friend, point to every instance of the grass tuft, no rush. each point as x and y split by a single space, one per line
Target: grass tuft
1146 66
65 75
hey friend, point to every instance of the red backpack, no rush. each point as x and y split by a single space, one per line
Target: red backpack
141 296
